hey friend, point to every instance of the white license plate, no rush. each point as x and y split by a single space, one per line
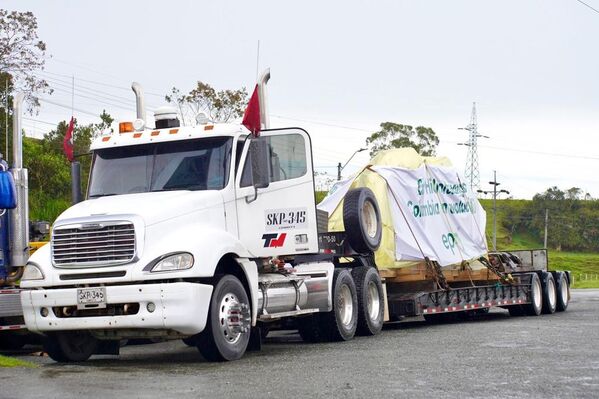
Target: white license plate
91 298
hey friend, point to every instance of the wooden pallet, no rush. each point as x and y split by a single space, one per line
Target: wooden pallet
420 273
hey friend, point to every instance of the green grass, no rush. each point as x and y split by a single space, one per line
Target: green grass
12 362
580 264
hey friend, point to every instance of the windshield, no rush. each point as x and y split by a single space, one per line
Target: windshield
201 164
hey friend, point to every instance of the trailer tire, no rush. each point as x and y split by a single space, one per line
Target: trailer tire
222 339
549 293
536 297
563 292
340 324
310 330
371 309
70 346
362 220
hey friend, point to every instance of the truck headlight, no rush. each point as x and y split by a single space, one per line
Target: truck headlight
32 272
172 262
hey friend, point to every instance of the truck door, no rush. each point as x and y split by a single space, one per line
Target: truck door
277 215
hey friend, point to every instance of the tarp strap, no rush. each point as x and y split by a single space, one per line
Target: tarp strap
433 267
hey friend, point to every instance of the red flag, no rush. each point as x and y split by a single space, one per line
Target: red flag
67 144
251 117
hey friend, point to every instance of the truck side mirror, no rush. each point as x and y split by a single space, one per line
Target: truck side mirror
8 192
259 156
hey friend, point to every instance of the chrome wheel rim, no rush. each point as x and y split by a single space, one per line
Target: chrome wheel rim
536 294
551 291
233 318
564 291
374 301
369 222
346 305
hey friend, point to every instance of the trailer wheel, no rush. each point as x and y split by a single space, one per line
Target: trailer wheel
70 346
362 220
371 307
340 324
536 297
563 292
227 332
549 293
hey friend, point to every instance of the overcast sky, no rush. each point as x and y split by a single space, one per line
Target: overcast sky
340 68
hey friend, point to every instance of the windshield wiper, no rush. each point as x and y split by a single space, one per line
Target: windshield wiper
102 195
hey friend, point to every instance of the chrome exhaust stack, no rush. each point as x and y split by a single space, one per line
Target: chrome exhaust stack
19 217
264 78
140 103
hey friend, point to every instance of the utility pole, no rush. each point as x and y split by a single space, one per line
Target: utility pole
339 167
494 183
472 173
546 225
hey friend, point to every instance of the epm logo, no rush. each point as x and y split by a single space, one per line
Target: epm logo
274 240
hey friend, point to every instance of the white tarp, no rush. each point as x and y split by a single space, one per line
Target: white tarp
434 213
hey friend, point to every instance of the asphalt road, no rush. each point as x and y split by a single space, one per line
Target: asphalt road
492 356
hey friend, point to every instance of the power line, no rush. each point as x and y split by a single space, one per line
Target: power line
45 100
587 5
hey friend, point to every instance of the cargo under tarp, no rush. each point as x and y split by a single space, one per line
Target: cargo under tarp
426 209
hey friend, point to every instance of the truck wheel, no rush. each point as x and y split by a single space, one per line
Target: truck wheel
340 324
227 332
310 330
563 292
70 346
362 220
371 307
535 296
549 293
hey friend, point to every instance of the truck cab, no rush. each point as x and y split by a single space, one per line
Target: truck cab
186 232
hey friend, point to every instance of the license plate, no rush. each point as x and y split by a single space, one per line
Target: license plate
91 298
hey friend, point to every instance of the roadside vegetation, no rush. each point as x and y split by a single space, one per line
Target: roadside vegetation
12 362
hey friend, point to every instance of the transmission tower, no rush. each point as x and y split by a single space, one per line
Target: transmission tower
472 174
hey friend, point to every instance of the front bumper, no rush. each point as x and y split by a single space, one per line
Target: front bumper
182 307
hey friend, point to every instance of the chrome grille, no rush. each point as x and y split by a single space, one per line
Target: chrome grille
93 244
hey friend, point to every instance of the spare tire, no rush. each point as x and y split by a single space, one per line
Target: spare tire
362 220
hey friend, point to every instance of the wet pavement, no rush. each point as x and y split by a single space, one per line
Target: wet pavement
491 356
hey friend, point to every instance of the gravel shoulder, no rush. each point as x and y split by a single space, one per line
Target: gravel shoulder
491 356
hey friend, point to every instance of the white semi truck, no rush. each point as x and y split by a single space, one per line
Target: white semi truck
207 233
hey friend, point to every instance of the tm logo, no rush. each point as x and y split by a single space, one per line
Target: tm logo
274 240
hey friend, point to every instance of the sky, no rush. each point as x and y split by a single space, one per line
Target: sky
340 68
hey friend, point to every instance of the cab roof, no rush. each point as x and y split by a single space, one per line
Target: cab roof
168 134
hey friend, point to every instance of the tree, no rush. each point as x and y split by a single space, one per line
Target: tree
22 54
394 135
220 106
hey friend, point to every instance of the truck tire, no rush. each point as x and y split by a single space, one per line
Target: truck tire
563 292
536 297
227 332
340 324
549 293
371 309
362 220
70 346
310 330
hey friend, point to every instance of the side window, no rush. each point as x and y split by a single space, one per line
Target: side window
287 159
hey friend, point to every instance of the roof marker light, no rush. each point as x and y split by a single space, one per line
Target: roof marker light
126 127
